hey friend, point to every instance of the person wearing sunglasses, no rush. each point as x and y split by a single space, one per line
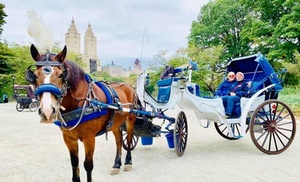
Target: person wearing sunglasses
225 87
238 89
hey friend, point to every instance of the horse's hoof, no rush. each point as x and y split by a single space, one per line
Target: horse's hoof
115 171
127 167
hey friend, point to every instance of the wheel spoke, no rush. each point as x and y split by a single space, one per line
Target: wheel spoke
279 113
279 138
275 143
283 134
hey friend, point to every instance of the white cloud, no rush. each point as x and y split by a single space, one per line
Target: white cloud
118 25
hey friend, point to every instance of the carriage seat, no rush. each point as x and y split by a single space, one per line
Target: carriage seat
164 89
24 100
257 86
194 89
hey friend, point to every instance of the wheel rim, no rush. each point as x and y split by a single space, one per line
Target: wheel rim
223 130
180 133
273 127
134 141
19 107
33 106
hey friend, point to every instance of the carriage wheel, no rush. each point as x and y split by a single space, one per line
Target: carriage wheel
134 142
223 130
33 106
19 107
273 127
180 133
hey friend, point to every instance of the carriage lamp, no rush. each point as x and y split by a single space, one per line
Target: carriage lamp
182 82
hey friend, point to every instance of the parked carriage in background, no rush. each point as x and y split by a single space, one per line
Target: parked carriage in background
25 98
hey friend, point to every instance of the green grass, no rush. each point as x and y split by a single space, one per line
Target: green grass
291 96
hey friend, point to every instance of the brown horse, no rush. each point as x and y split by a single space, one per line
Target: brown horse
65 92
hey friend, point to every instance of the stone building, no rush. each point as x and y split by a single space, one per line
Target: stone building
113 70
73 42
117 71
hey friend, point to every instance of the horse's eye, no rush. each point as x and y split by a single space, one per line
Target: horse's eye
61 76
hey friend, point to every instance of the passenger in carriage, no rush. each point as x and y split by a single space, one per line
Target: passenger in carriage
225 87
239 89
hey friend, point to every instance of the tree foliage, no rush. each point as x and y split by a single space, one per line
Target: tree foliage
244 27
221 22
211 66
2 16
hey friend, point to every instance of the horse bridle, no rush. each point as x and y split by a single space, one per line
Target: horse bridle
48 87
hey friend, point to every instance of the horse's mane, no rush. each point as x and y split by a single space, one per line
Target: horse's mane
75 74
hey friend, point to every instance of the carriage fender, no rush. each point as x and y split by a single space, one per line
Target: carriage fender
247 108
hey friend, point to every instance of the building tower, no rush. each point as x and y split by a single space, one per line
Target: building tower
72 39
90 51
137 66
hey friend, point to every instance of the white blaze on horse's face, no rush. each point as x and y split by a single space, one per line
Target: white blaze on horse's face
48 103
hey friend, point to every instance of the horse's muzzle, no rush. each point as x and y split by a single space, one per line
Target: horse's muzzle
47 115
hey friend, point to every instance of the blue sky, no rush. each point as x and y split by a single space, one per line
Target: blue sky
118 25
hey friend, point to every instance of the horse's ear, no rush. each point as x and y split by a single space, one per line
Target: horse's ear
62 55
34 53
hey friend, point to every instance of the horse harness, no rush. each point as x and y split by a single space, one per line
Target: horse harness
74 118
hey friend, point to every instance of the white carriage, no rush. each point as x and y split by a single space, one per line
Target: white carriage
270 122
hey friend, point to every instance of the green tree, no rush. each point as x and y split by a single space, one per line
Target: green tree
293 74
211 67
275 31
6 69
274 27
221 22
2 16
286 36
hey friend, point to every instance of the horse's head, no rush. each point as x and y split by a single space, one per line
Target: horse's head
50 77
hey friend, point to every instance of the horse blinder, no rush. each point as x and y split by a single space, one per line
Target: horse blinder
30 76
65 74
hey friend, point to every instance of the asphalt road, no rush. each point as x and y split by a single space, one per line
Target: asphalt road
35 152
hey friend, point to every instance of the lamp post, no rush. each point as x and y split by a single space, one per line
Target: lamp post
13 79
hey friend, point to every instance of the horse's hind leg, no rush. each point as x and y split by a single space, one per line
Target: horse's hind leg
89 147
117 165
72 145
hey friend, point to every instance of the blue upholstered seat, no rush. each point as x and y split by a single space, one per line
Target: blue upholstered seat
164 89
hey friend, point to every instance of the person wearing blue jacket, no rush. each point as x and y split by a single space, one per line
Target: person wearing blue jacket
225 87
239 89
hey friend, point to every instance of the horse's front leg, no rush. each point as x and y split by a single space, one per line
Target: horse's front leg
128 159
118 138
72 145
89 147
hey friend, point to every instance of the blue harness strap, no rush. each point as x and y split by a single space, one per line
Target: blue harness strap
48 87
86 117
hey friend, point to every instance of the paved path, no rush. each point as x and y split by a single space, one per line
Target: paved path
34 152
